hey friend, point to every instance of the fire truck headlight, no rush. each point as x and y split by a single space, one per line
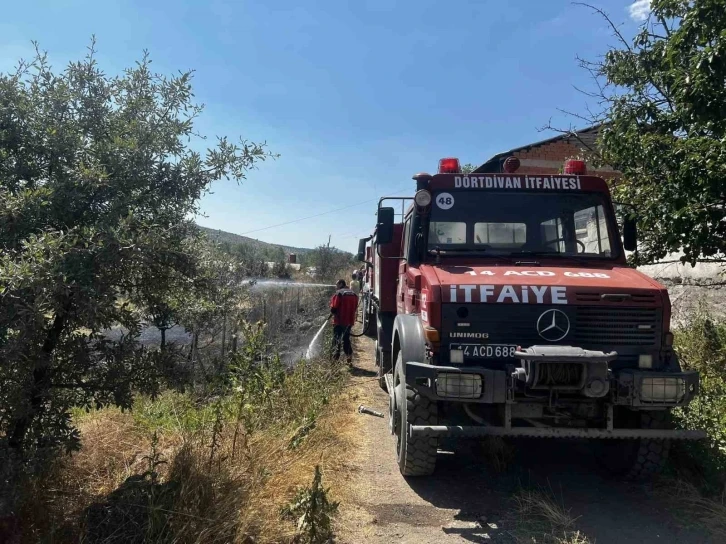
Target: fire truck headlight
662 389
456 356
422 198
458 386
645 361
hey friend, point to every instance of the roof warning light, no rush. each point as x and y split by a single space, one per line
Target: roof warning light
511 164
575 167
449 166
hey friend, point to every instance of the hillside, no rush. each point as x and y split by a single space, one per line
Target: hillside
222 236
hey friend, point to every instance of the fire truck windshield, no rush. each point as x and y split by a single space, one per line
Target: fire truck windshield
508 223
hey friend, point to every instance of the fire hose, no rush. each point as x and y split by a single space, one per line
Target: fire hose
366 322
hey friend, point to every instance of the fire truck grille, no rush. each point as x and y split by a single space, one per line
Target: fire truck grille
628 330
617 326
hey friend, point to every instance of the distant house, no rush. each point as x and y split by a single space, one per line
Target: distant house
548 156
292 266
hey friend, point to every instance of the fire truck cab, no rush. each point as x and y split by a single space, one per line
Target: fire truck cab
503 306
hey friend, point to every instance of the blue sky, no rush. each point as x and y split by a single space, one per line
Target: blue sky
355 96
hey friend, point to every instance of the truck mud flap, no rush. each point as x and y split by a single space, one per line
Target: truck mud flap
539 432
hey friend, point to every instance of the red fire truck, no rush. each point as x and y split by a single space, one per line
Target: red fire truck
503 306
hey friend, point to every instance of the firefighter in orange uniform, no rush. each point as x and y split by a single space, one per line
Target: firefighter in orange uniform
343 306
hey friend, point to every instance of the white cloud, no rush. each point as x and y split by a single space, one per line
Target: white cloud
639 10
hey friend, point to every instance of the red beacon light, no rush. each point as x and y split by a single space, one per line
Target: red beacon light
449 166
511 165
576 167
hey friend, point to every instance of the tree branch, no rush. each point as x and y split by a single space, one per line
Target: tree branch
605 16
573 134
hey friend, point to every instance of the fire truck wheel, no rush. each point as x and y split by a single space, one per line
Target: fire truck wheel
416 455
637 460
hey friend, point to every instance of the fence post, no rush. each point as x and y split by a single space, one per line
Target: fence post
195 344
224 331
282 311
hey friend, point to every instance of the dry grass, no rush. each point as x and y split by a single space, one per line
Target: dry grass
688 499
572 538
124 485
541 506
496 453
325 446
541 518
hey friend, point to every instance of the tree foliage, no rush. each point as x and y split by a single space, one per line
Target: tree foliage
330 262
281 270
97 181
663 99
215 292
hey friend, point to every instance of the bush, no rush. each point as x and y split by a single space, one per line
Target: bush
281 270
203 466
313 512
263 390
701 346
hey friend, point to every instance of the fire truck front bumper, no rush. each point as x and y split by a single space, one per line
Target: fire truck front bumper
475 431
638 389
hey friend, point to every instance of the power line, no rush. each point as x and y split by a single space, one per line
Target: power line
314 216
308 217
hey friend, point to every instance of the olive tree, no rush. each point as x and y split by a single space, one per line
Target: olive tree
99 176
330 262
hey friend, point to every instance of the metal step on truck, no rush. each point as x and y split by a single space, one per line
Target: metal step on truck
503 306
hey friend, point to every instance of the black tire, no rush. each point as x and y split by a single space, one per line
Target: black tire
383 366
637 460
416 455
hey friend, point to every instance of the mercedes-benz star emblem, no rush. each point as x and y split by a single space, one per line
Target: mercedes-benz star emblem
553 325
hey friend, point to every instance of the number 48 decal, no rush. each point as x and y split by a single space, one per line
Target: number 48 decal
445 201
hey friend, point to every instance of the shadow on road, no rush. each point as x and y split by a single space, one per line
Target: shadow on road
606 510
362 372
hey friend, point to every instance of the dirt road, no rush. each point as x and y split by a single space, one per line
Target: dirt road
467 501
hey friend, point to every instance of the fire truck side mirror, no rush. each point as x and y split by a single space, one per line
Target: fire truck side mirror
384 228
630 234
362 249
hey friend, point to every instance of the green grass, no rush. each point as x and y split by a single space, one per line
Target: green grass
173 412
701 346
